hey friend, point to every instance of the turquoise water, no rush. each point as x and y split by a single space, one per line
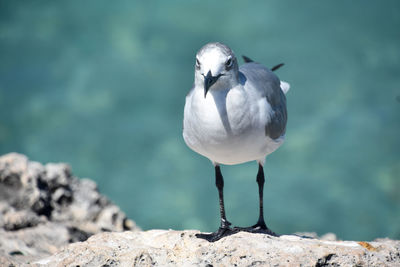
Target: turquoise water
101 85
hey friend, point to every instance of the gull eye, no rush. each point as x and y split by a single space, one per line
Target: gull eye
197 63
229 63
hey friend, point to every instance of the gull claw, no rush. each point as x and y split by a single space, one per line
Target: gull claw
217 235
259 228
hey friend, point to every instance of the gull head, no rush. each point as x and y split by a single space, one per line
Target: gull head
216 68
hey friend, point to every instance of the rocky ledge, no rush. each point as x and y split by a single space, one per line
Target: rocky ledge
48 217
182 248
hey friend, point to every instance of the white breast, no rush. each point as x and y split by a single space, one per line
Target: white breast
225 128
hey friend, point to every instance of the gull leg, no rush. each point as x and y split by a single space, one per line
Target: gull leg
224 229
260 226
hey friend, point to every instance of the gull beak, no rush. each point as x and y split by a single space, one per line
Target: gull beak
208 81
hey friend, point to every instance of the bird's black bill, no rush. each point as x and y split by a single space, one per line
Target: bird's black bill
208 81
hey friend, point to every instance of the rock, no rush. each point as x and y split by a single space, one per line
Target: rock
16 220
32 243
182 248
48 217
43 208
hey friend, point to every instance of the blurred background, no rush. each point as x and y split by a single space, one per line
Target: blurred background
101 85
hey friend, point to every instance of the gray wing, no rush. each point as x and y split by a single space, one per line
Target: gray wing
269 84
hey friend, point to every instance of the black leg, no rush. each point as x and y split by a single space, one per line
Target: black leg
224 229
260 226
260 181
219 182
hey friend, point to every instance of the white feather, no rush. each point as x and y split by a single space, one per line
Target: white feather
285 87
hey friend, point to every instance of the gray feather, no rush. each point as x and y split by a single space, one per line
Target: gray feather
274 68
223 48
247 59
269 84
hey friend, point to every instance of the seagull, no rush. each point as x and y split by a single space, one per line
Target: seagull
234 115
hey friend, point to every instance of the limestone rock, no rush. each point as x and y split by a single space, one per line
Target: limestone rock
43 208
182 248
48 217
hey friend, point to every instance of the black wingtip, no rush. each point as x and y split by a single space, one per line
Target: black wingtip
274 68
247 59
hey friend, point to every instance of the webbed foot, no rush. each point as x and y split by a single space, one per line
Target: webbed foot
260 227
217 235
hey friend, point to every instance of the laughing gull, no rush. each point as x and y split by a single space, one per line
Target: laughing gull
234 115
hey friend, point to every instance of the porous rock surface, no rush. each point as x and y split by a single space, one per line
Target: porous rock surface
182 248
48 217
43 208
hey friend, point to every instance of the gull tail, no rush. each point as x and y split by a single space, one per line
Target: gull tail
247 59
285 87
274 68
